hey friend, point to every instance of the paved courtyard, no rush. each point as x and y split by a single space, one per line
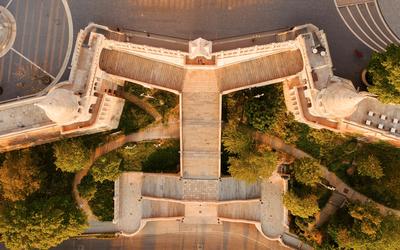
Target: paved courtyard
41 49
173 235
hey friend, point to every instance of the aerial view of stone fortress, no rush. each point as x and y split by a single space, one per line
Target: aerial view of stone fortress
200 72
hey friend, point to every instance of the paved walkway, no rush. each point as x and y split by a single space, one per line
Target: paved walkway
160 131
365 20
390 11
173 235
83 203
41 49
341 186
130 209
273 215
201 125
152 132
330 208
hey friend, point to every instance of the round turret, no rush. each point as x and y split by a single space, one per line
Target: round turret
338 100
61 106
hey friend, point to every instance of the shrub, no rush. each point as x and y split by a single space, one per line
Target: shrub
165 159
102 204
133 118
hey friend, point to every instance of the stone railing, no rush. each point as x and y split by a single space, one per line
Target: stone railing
144 49
272 47
116 201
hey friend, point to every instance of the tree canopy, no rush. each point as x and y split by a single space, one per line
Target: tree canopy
367 218
385 71
303 207
237 140
106 167
41 223
102 203
370 166
71 155
165 159
307 171
264 106
253 167
366 228
19 175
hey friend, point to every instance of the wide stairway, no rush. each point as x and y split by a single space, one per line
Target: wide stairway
266 68
201 125
150 71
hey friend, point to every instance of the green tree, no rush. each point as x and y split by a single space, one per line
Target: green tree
237 140
370 166
367 230
19 175
367 218
102 203
385 71
307 171
253 167
133 118
387 237
134 154
390 234
303 207
385 190
71 155
87 187
106 167
164 159
40 224
264 106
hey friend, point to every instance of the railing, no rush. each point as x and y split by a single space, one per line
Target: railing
115 45
256 49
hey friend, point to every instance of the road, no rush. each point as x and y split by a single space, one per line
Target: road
213 19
